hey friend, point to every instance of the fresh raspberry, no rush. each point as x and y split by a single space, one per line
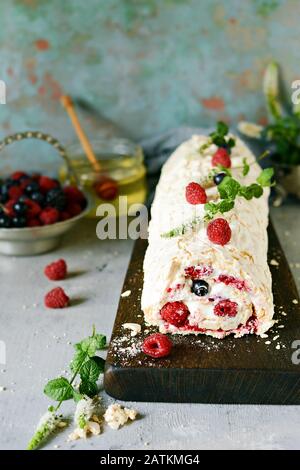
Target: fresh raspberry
106 188
49 215
195 194
33 223
226 308
33 210
157 345
74 194
15 192
219 231
56 271
47 183
221 157
175 313
9 208
56 298
64 215
74 209
17 175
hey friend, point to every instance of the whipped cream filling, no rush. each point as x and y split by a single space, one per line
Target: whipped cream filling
243 260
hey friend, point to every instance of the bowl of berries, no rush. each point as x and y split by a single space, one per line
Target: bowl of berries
36 210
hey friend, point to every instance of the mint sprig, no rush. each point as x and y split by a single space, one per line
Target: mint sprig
219 138
84 364
229 189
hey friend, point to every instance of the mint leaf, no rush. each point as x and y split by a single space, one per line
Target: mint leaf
229 188
230 143
265 178
59 389
226 205
222 128
77 396
90 371
88 388
246 167
80 357
100 341
248 192
100 362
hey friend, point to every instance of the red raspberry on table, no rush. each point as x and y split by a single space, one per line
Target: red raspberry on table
221 157
49 215
219 231
195 194
56 298
226 308
157 345
47 183
56 271
175 313
15 192
74 194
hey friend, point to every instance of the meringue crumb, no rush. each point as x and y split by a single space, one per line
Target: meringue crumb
126 293
116 416
273 262
278 346
134 327
268 342
280 326
275 337
295 301
264 335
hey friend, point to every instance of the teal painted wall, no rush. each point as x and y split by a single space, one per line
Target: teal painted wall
146 64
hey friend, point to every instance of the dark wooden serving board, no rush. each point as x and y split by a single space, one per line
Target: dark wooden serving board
203 369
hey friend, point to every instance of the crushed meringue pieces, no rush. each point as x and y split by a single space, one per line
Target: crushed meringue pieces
116 416
126 293
134 327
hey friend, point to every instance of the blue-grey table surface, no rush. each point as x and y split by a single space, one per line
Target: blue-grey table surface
39 347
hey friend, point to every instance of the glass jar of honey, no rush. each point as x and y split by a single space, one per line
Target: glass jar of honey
120 172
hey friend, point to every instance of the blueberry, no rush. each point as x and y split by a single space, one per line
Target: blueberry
200 287
4 221
20 207
37 197
19 221
219 178
32 187
56 198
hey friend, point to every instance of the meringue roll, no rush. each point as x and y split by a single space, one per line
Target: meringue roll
191 284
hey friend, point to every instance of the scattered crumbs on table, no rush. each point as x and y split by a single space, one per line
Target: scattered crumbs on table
268 342
24 307
3 370
264 335
280 326
102 267
295 301
273 262
278 346
2 389
126 293
287 233
275 337
284 314
56 446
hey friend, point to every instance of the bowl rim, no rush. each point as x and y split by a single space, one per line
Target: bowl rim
45 227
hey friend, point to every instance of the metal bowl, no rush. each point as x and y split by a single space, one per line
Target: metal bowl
29 241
